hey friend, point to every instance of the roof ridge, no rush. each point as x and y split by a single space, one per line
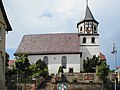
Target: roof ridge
50 34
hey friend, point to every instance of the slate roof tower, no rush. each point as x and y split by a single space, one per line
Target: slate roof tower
89 37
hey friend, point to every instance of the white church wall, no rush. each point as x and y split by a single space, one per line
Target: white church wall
88 40
54 61
88 49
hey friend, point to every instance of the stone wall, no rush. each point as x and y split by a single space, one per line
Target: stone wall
92 86
87 86
82 77
21 86
32 85
88 77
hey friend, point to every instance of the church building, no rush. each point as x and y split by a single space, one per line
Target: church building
64 49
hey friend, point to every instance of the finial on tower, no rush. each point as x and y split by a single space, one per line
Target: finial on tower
86 2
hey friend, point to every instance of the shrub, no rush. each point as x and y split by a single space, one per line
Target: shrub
60 70
52 74
74 80
45 72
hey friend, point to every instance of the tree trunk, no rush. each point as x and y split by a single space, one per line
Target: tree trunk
102 85
25 85
25 81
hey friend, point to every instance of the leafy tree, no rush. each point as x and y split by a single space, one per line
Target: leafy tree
7 57
89 64
7 71
33 68
22 64
44 72
41 65
41 68
35 71
103 71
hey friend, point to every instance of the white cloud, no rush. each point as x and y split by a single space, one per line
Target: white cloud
25 17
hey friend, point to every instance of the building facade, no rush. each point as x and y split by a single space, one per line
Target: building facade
54 49
64 49
4 28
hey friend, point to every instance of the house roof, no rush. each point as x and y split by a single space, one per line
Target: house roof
102 57
11 62
9 28
49 43
118 70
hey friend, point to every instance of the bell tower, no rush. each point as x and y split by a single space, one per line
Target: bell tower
89 36
88 24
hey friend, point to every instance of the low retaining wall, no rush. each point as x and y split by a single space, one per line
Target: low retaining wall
87 77
87 86
32 85
92 86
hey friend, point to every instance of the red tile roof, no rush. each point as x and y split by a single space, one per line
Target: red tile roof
102 57
49 43
11 62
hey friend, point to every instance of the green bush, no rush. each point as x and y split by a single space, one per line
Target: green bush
44 72
74 80
52 74
60 70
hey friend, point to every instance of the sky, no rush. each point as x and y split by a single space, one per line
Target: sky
62 16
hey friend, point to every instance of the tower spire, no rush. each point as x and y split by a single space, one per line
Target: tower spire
86 2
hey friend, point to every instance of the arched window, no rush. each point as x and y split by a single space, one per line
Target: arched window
80 28
84 39
64 62
92 40
95 28
45 59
